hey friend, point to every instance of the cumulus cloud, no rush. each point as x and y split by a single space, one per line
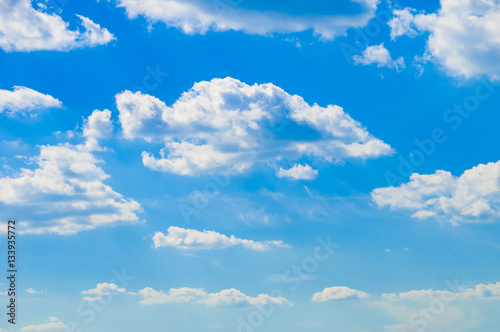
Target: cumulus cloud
298 172
25 29
22 101
53 324
198 17
227 125
338 293
462 35
65 191
102 289
190 239
380 56
97 126
472 197
224 298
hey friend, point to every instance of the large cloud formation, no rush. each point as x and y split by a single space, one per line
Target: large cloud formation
472 197
199 17
462 35
25 29
65 192
227 125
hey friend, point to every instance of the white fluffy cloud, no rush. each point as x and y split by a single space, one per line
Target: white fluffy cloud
224 298
298 172
53 324
97 126
66 192
380 56
227 125
198 17
22 101
190 239
472 197
102 289
463 35
338 293
24 29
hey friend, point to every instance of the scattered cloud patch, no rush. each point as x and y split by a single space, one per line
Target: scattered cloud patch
101 290
224 298
285 277
298 172
190 239
462 36
24 29
338 293
380 56
23 101
388 250
53 324
472 197
402 23
491 290
34 291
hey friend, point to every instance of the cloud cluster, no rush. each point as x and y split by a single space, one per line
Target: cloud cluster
198 17
380 56
66 191
463 35
338 293
190 239
224 298
22 101
227 125
472 197
25 29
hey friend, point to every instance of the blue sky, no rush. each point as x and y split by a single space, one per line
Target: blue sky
248 165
